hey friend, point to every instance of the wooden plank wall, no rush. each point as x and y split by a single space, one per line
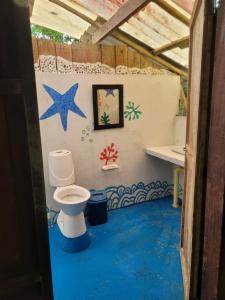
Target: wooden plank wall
87 53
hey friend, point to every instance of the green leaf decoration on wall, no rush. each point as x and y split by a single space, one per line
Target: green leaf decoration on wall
105 119
132 112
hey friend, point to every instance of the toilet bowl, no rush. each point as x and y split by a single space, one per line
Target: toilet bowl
71 199
71 231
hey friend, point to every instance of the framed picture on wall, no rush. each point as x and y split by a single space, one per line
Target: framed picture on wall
108 106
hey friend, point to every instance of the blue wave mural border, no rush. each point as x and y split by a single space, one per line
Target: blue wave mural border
123 196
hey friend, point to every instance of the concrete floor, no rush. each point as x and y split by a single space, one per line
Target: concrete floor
134 256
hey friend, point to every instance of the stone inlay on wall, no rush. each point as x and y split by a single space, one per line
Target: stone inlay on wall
49 63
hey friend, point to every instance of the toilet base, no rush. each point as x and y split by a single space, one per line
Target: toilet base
71 226
71 232
71 245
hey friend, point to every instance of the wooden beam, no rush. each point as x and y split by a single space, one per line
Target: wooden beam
147 52
122 15
187 5
172 10
181 43
73 11
128 40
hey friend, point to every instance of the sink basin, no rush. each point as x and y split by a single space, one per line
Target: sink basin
179 150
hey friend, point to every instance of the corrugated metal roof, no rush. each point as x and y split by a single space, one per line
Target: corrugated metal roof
152 25
50 15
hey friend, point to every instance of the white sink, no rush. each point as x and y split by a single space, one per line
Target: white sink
179 149
168 153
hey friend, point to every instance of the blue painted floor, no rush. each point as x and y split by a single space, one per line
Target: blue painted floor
134 256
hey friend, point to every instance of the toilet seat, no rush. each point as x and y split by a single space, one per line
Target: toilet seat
71 194
72 199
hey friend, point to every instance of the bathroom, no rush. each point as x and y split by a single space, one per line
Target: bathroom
139 242
112 177
113 121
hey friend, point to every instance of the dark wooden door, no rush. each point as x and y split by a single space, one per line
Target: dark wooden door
214 236
200 71
24 250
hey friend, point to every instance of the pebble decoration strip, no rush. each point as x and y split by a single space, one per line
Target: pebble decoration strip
48 63
52 64
64 66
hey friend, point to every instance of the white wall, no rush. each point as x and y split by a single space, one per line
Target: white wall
158 98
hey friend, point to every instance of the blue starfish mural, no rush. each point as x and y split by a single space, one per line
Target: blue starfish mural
109 92
62 104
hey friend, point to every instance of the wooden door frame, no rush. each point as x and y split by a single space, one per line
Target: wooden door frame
22 17
17 78
193 283
213 256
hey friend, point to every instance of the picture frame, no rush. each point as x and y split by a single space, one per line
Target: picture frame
108 106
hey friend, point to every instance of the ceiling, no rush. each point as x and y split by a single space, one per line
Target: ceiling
152 26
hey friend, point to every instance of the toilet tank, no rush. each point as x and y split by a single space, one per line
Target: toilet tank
61 168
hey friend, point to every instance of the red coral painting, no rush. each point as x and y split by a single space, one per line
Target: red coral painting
109 154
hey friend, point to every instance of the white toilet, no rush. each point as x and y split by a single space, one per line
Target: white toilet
71 231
